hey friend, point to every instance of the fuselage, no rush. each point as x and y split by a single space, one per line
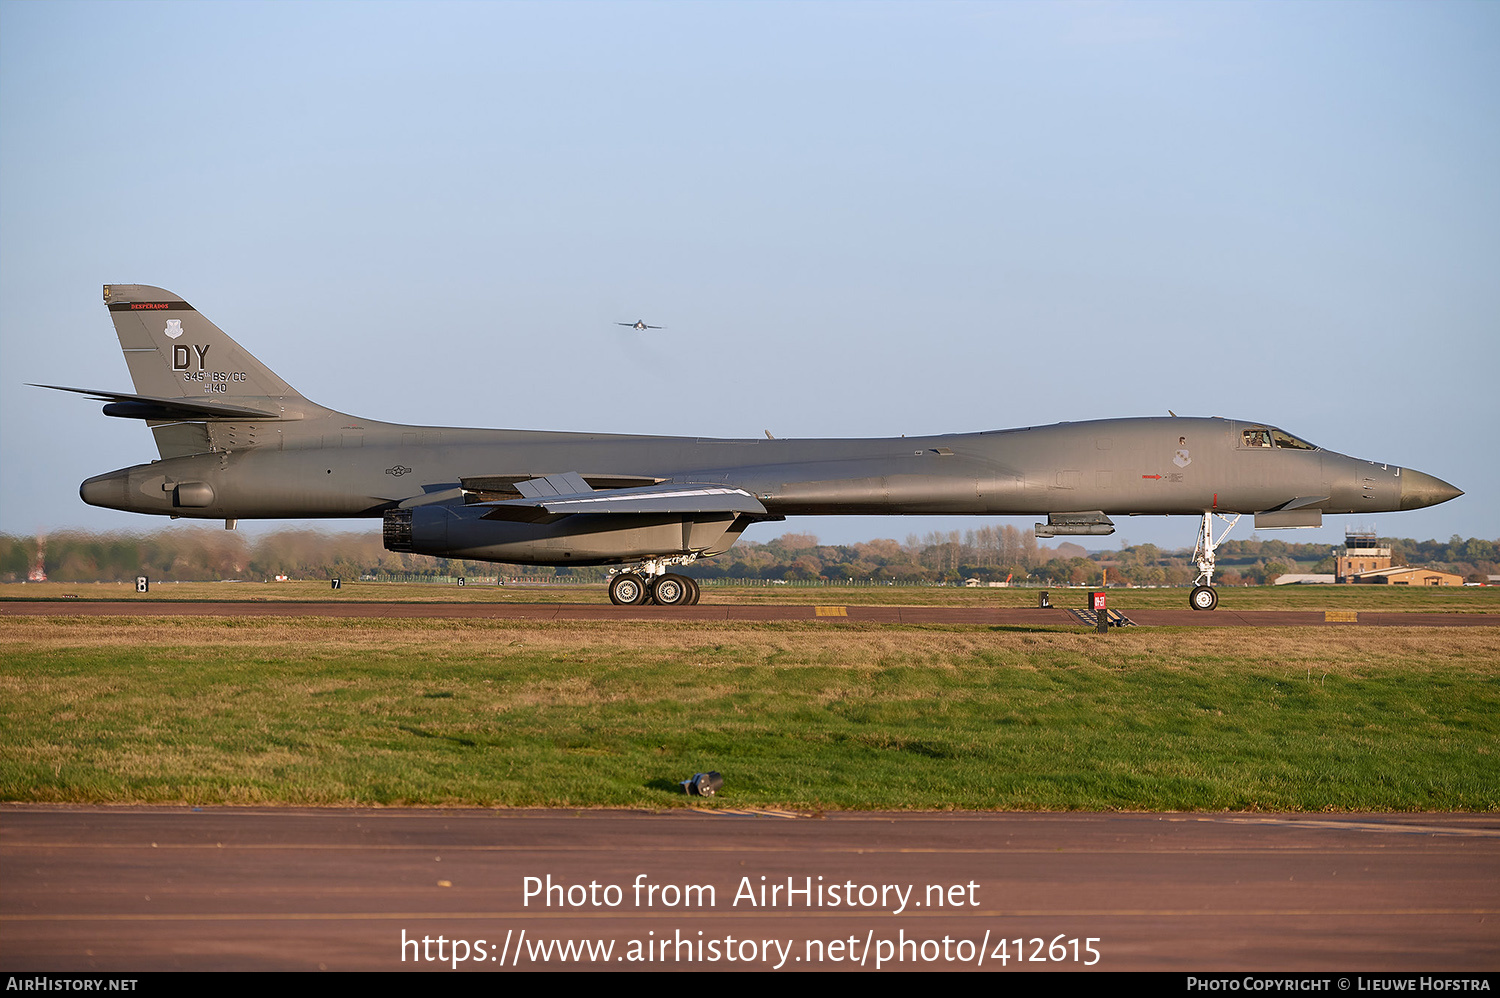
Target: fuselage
340 466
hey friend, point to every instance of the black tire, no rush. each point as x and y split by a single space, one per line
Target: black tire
696 592
671 590
627 589
1203 598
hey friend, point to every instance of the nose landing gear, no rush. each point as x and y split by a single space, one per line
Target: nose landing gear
1204 596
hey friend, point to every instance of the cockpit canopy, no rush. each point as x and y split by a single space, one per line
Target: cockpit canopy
1270 436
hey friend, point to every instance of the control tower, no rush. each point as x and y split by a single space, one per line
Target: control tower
1362 552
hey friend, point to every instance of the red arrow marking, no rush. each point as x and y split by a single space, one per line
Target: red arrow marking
1150 476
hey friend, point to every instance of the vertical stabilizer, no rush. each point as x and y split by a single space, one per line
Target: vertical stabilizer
174 352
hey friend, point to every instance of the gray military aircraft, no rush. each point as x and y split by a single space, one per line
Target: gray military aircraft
238 442
639 324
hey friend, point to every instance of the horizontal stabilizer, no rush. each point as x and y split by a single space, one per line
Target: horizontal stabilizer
670 499
154 407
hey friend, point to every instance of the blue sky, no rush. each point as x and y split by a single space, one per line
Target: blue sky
854 219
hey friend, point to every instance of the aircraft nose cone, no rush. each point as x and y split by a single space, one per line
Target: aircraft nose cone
104 490
1418 490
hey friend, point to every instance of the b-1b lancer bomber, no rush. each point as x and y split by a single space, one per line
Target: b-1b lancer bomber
237 442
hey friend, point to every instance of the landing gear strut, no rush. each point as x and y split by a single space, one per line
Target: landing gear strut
1204 596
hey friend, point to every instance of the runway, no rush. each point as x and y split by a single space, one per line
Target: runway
999 617
136 889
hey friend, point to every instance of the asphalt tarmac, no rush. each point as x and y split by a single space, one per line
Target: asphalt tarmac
164 888
1004 617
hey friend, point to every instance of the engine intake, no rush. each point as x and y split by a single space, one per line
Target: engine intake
397 530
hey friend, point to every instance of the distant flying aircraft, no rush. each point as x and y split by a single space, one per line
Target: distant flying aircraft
639 324
238 442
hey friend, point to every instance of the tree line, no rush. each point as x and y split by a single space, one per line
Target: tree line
990 554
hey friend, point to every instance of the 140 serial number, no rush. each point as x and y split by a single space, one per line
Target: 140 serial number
215 381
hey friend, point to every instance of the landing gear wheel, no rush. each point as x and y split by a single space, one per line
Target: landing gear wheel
1204 598
671 590
627 589
692 599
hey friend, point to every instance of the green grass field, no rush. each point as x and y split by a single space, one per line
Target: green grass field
807 715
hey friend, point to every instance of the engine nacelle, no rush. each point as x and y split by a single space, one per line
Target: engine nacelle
580 539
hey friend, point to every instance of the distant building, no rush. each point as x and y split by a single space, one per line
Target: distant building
1403 576
1362 552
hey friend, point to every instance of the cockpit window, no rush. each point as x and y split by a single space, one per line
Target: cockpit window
1285 439
1257 437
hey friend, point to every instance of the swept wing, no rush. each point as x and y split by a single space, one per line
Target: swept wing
568 493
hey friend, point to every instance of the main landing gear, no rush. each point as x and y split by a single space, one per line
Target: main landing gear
649 582
1204 596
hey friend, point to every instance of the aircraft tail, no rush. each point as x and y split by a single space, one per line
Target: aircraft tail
195 386
175 353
